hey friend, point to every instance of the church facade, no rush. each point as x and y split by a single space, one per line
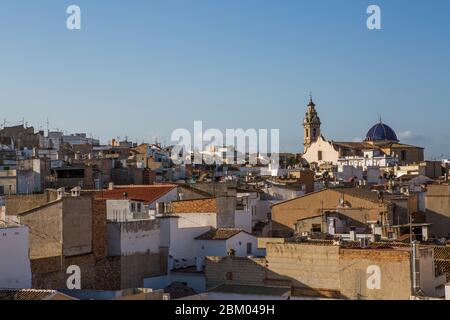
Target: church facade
381 141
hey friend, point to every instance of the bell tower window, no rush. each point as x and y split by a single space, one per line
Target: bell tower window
311 125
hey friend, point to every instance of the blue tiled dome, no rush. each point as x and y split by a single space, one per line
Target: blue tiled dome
381 132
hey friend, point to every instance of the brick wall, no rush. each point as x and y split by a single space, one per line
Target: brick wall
88 182
97 271
16 204
99 229
107 274
148 176
46 273
50 273
136 267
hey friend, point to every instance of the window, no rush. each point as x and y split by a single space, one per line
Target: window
403 155
314 133
249 248
316 228
229 276
319 155
133 207
139 207
307 133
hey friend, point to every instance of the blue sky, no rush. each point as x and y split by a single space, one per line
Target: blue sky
142 68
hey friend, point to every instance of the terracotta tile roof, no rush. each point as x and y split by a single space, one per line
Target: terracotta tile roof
401 145
195 206
27 294
219 234
146 194
353 145
368 146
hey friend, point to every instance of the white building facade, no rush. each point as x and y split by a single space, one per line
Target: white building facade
15 267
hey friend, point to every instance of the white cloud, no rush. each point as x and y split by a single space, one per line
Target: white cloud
412 137
406 135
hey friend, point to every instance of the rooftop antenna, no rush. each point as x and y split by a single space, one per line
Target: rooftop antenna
379 116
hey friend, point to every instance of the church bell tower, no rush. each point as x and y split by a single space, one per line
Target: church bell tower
311 125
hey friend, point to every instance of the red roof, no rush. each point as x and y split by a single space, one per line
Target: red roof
147 194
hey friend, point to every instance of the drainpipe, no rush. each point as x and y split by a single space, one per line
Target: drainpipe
415 268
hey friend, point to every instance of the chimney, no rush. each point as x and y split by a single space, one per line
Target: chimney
76 192
60 193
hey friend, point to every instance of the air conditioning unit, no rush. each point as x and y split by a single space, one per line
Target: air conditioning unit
177 264
184 263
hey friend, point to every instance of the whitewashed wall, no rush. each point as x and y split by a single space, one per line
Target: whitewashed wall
239 244
15 269
182 231
126 238
170 196
329 154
